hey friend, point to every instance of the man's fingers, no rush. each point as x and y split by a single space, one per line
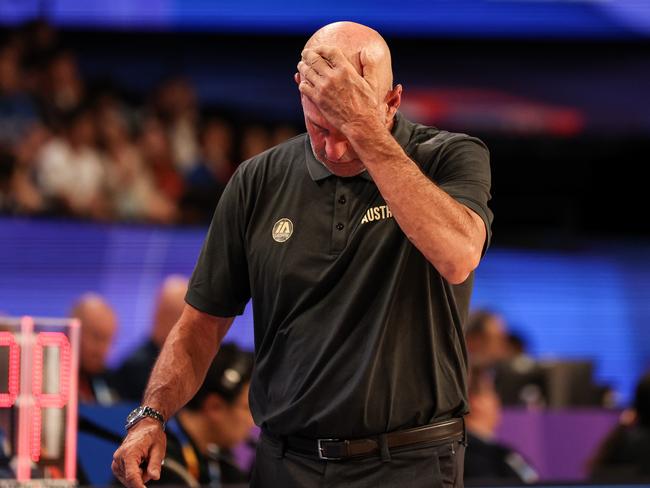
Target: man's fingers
115 467
369 67
134 481
314 61
132 474
312 58
307 89
308 74
156 456
332 55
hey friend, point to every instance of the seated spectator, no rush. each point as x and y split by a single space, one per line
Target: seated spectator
98 326
623 456
62 89
486 460
156 153
40 44
19 124
486 338
71 172
175 105
201 437
18 114
25 196
132 376
133 193
208 179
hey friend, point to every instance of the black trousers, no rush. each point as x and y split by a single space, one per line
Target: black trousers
430 466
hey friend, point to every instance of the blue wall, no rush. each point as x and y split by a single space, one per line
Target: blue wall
593 304
46 265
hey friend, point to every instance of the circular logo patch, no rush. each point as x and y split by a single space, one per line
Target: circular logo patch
282 230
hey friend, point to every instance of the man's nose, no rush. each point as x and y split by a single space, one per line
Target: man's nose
335 149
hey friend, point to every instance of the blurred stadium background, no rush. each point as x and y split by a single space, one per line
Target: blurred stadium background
166 97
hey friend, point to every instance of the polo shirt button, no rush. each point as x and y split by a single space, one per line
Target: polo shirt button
342 199
339 226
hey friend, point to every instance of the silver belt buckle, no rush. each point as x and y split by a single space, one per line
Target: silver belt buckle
321 450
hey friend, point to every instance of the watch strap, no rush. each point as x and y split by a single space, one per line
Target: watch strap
154 414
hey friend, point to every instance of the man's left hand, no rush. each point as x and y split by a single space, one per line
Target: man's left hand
346 98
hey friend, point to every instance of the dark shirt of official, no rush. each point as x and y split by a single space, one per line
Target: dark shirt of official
624 456
356 333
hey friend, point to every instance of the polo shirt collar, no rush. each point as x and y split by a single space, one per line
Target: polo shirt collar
402 130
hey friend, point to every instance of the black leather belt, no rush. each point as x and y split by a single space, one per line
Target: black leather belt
338 449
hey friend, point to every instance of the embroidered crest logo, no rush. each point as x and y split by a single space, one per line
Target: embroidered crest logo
282 230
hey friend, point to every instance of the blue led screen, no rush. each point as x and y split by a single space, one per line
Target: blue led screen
516 18
592 304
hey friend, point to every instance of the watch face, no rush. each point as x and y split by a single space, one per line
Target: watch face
134 415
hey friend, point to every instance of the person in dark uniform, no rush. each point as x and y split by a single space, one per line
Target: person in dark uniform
130 379
623 455
200 438
357 243
488 461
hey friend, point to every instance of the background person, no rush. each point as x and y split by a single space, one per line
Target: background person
98 327
131 377
623 455
487 460
203 434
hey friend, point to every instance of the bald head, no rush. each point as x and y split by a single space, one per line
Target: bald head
352 38
171 301
98 326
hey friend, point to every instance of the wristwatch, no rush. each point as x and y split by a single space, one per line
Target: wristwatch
141 412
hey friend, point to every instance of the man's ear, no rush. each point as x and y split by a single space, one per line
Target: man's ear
393 100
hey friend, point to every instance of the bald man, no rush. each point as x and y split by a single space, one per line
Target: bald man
132 375
357 243
98 327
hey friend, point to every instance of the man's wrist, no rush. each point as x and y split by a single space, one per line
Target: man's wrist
146 424
144 412
362 132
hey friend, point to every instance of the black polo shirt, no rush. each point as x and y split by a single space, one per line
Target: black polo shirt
356 333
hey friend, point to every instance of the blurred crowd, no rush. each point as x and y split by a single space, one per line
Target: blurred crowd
70 147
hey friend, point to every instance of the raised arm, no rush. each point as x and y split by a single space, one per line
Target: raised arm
179 372
450 235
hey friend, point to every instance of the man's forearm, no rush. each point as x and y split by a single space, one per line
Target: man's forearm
184 360
448 234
